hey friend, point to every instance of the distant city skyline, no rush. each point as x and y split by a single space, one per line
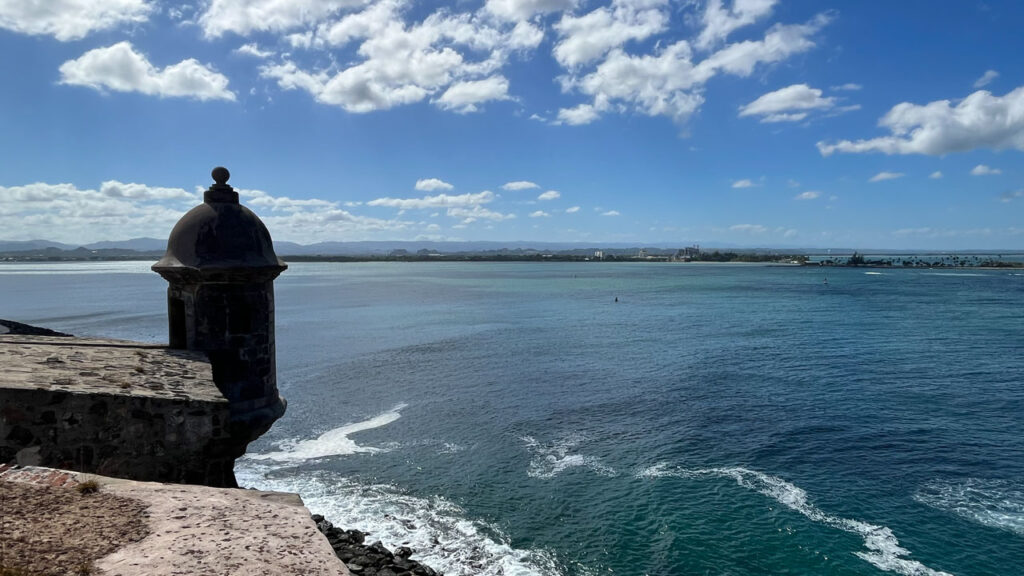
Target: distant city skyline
753 123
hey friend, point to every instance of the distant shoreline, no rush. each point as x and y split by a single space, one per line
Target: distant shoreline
786 261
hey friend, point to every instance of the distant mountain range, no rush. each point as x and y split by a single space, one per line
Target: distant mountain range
154 246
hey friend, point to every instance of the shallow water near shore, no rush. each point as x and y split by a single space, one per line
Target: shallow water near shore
513 418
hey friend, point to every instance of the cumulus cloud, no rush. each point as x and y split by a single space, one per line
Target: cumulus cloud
66 213
590 36
68 20
669 82
115 189
986 78
809 195
787 104
935 175
523 9
1010 196
243 17
742 184
610 213
253 49
983 170
882 176
550 195
439 201
572 209
579 115
981 120
749 228
451 59
519 185
539 214
719 21
431 184
474 213
121 69
465 96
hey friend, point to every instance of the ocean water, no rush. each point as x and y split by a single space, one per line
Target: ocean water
514 419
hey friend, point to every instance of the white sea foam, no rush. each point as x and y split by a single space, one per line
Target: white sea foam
334 442
994 503
873 273
550 460
439 532
883 549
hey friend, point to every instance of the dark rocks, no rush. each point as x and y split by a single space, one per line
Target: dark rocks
20 329
372 560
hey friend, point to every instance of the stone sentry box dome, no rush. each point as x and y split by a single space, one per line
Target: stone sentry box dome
220 265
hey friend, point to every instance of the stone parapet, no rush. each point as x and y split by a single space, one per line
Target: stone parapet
116 408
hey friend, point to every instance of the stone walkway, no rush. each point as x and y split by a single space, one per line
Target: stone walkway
194 530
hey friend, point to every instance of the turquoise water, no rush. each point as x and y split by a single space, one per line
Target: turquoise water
512 418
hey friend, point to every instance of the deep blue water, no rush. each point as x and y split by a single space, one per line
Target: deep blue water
513 418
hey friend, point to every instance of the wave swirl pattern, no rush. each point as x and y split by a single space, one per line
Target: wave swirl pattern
883 549
994 503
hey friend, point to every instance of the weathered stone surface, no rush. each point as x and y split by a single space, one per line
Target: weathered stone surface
201 531
115 408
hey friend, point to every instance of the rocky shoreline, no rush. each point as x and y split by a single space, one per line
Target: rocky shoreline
373 559
19 329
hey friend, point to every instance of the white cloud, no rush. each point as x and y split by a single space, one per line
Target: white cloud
1011 196
243 17
610 213
439 201
282 203
935 175
669 82
431 184
115 189
719 22
523 9
451 58
882 176
253 49
773 118
539 214
779 106
589 37
572 209
68 20
474 213
742 184
550 195
849 87
120 68
749 228
519 185
809 195
582 114
465 96
986 78
983 170
979 121
66 213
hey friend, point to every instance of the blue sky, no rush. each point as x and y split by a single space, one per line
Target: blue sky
744 122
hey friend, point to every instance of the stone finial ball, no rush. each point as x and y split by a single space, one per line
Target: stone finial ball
220 175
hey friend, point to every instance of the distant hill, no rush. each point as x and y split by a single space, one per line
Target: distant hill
139 244
22 245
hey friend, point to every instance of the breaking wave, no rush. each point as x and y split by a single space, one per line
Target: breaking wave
334 442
